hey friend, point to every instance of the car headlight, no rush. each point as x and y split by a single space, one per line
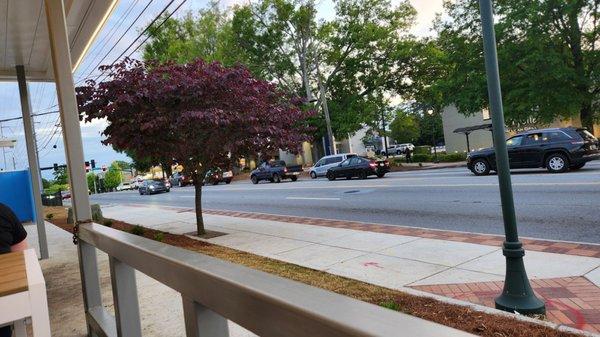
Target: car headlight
151 187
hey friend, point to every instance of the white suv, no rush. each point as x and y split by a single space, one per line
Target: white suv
321 167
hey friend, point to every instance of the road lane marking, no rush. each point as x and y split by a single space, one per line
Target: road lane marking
329 186
310 198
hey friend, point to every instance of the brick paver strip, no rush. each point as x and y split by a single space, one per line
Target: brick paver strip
570 303
579 249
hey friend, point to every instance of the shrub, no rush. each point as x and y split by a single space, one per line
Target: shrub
107 222
137 230
453 157
49 216
159 237
422 158
424 149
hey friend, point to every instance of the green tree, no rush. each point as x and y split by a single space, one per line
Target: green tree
46 183
405 127
548 57
90 181
206 34
113 176
362 55
124 165
61 176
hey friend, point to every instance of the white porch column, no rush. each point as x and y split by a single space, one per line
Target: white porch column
69 116
34 165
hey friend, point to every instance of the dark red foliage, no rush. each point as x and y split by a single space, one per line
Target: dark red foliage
202 115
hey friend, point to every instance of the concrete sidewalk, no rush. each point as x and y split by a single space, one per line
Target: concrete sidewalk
462 266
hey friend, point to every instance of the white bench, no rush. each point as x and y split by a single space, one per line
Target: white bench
23 293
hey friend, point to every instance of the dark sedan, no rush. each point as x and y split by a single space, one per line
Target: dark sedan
359 167
557 149
153 186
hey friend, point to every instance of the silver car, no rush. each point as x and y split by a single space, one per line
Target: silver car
327 162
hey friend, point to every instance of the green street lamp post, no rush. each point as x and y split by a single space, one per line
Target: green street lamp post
517 294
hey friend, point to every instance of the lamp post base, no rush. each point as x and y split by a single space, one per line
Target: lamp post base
517 295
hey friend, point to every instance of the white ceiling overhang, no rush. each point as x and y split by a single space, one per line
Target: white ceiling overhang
24 34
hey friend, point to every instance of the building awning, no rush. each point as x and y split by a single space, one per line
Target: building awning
24 35
470 129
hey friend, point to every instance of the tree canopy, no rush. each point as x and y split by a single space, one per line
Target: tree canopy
363 53
201 114
549 60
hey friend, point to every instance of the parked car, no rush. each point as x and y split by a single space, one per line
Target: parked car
397 149
556 149
152 186
275 171
180 179
215 176
391 150
125 186
320 168
359 167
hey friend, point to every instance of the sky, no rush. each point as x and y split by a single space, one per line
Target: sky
43 95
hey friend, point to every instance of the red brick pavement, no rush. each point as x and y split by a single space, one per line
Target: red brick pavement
572 301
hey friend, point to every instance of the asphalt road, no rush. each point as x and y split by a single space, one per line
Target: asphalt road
551 206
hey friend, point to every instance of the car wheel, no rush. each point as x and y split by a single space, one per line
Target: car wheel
578 166
380 175
294 178
254 180
348 177
330 176
228 181
141 193
481 167
557 163
313 175
168 190
398 152
362 175
276 178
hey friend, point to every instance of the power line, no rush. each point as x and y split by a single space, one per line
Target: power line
106 37
144 32
120 38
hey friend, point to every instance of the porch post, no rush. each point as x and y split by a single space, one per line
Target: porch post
69 119
34 165
69 115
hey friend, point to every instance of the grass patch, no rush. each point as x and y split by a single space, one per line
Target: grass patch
459 317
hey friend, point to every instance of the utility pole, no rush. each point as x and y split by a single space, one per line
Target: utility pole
517 294
385 141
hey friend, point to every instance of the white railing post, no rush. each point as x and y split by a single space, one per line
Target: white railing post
90 279
201 321
127 311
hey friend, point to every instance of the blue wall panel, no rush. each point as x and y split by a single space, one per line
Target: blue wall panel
15 191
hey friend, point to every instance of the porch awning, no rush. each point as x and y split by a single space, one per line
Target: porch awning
24 35
470 129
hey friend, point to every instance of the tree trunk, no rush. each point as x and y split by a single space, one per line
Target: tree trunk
198 201
586 116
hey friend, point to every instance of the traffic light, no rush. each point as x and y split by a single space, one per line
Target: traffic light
55 167
93 162
87 166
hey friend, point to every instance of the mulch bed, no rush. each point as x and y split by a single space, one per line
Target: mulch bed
459 317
